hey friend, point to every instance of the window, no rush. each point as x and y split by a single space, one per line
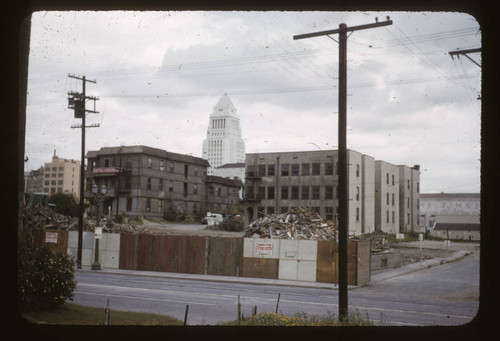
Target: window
106 162
129 204
60 175
47 175
387 178
328 192
195 171
357 193
357 170
408 184
195 188
305 192
329 168
148 204
306 169
162 165
61 168
171 186
270 170
295 192
186 171
128 164
418 187
315 192
150 162
54 175
47 182
262 170
357 213
261 192
149 183
392 199
284 193
329 213
408 218
393 215
316 169
54 169
171 167
387 220
53 182
285 170
59 182
295 169
270 193
160 206
160 186
185 192
250 171
393 179
387 198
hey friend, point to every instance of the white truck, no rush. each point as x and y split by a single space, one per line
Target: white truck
212 219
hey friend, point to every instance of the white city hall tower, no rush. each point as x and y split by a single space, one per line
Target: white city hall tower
224 144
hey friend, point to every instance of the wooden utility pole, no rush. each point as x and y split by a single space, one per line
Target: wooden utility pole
465 52
342 153
76 101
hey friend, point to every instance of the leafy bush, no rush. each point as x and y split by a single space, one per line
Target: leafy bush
66 203
233 226
45 278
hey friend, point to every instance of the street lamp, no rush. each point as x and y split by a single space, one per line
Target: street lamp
98 201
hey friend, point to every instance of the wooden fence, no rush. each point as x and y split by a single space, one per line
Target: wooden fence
182 254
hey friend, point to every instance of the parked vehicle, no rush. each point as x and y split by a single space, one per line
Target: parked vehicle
212 219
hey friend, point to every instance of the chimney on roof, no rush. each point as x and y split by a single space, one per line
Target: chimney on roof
416 167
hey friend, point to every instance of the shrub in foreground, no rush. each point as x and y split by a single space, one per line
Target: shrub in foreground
45 278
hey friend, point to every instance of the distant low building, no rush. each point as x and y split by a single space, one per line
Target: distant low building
461 227
458 204
221 193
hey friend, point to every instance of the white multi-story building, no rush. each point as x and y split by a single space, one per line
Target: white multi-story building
62 175
224 143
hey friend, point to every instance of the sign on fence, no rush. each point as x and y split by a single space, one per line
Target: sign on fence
264 248
51 237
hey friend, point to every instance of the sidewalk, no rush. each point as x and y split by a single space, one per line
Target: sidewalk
375 277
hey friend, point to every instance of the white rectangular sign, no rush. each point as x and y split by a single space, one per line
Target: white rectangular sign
98 232
264 248
51 237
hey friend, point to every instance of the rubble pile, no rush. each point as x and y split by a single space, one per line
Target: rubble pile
40 217
298 223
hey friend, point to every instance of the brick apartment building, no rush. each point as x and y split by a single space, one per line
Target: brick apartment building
150 182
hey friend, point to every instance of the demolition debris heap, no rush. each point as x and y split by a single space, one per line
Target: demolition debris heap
298 223
43 218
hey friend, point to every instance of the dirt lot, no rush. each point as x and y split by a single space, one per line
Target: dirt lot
430 249
187 229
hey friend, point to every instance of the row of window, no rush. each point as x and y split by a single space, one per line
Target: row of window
161 166
293 192
294 169
212 190
329 211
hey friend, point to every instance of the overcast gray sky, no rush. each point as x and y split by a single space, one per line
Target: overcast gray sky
159 74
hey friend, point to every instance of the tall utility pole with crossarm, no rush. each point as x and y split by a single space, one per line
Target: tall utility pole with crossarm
76 101
342 162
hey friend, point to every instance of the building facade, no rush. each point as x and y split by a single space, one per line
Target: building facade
62 175
146 181
447 204
224 143
221 193
277 182
34 181
396 197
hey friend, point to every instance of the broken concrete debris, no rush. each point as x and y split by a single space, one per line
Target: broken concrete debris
40 217
298 223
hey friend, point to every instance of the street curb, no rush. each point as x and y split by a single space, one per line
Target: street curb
390 273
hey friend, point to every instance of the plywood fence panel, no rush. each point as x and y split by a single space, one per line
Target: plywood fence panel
260 267
225 256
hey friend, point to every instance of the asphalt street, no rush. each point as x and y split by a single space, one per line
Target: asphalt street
446 294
